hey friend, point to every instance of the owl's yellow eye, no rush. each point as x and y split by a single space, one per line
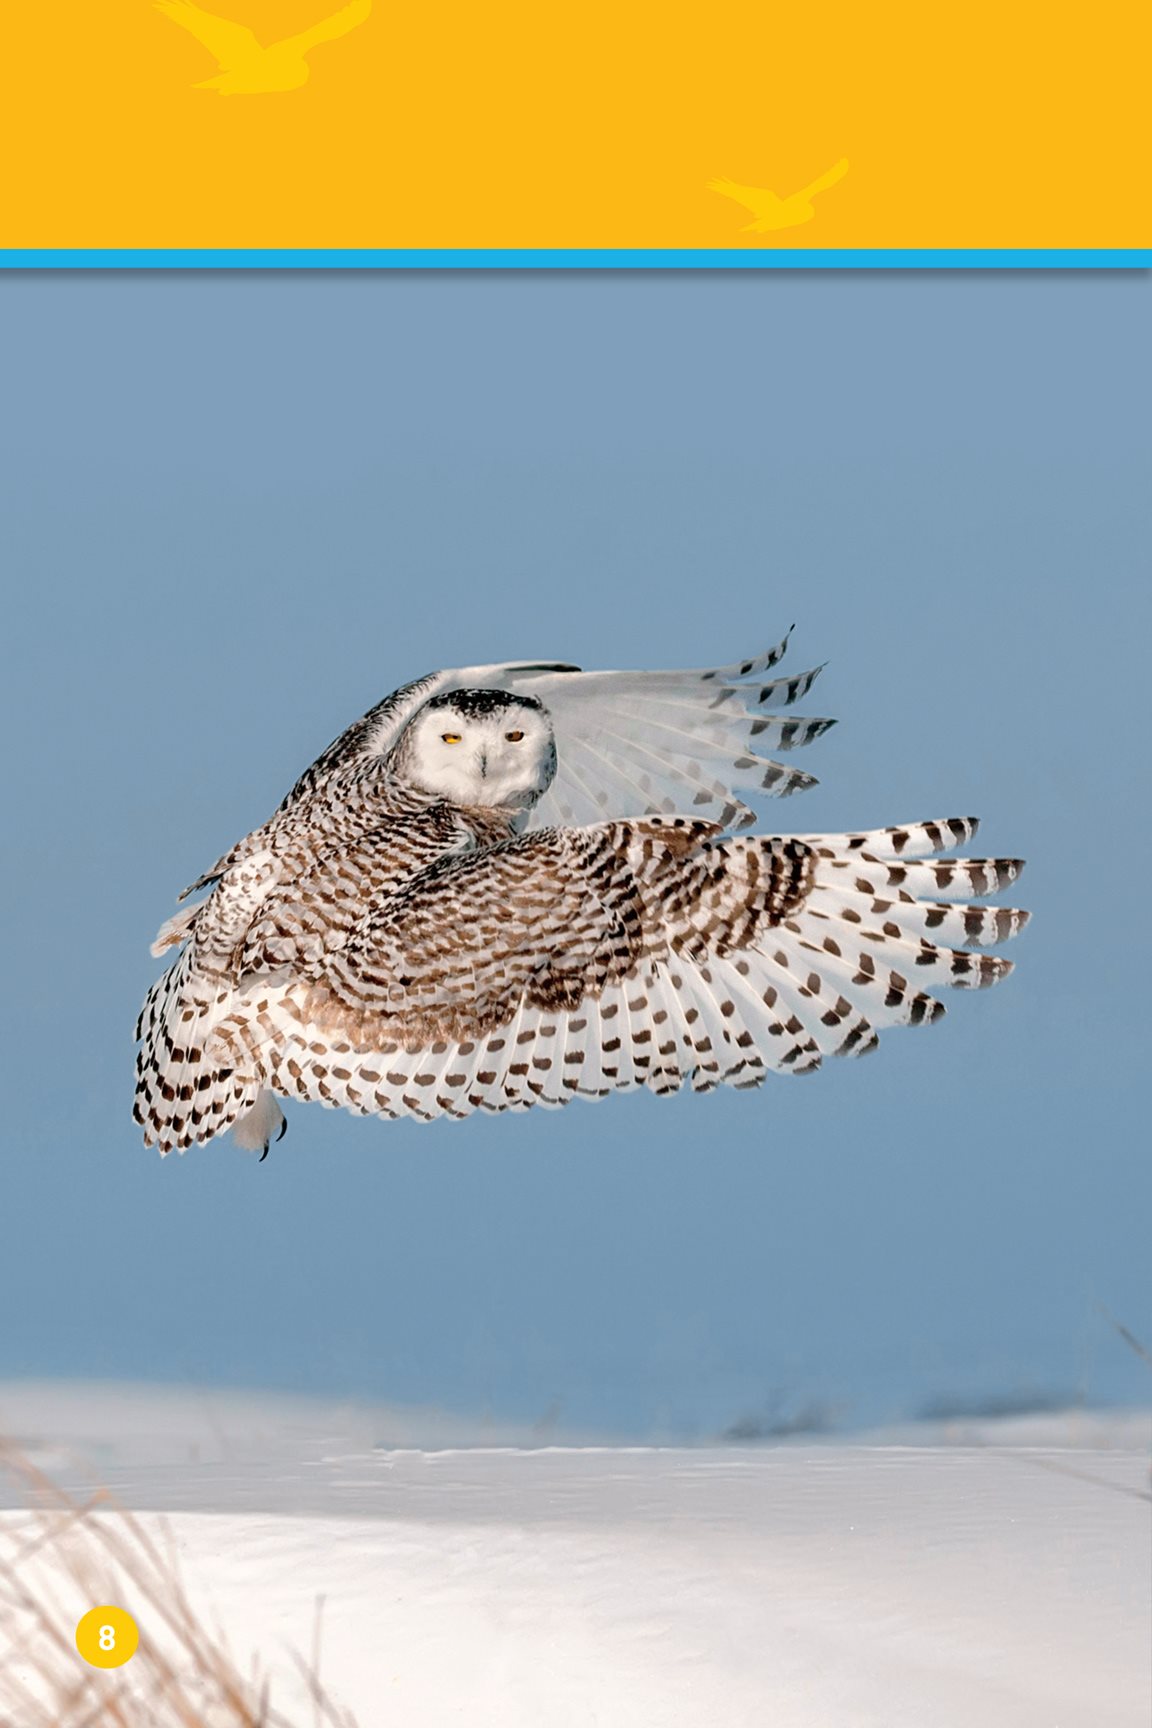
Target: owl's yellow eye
513 737
450 737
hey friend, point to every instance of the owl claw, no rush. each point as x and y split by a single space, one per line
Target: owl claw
267 1143
254 1131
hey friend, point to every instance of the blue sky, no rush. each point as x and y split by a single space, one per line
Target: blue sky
241 508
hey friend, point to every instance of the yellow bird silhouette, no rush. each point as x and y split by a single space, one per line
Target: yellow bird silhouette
773 212
247 68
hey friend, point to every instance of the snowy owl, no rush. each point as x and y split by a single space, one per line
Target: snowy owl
519 884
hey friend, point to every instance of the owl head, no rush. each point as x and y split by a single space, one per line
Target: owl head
479 747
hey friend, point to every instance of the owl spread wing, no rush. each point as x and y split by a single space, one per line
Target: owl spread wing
229 42
629 743
645 953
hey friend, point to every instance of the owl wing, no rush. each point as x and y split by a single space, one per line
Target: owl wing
646 953
629 743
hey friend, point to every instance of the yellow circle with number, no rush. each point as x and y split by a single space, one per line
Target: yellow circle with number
107 1637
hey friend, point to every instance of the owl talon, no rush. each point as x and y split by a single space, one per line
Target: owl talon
280 1136
255 1130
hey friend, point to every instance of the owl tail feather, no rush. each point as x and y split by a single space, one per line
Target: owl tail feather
186 1091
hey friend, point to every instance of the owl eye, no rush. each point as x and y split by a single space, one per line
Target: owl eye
513 737
450 737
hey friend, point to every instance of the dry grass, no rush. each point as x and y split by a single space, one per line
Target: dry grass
62 1556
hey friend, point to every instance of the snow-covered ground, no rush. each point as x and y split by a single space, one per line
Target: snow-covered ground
991 1573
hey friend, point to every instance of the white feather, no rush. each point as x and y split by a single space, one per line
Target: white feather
262 1124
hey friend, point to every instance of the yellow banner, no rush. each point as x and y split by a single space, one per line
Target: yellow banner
300 123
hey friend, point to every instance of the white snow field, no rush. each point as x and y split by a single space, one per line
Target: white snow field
987 1575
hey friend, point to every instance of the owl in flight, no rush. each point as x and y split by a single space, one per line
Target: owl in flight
520 884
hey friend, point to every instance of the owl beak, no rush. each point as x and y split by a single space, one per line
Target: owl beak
483 764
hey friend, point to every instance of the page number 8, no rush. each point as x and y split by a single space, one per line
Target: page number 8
107 1637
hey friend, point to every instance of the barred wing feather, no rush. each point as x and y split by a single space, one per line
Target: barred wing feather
630 743
654 953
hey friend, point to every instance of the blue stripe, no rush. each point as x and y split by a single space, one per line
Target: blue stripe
655 258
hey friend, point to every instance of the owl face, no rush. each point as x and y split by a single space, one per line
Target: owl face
479 747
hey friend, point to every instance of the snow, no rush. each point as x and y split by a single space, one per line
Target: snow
995 1572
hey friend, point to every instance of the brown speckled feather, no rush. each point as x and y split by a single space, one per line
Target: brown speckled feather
386 950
